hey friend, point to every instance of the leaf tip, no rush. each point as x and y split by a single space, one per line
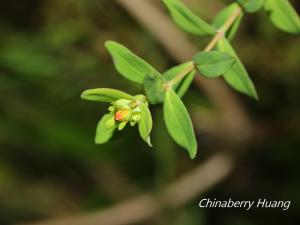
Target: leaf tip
193 153
149 142
83 94
108 43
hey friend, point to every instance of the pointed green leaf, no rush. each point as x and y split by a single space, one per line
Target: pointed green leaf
237 76
154 88
187 20
185 84
213 63
104 132
145 124
104 95
178 123
127 63
252 6
235 26
223 16
283 15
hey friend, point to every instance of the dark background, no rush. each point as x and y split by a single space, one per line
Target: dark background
52 50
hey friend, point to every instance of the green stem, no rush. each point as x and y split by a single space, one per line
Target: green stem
182 74
220 33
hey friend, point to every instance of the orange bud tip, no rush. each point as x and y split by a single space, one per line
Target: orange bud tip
121 114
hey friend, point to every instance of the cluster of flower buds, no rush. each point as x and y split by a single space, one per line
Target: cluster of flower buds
124 111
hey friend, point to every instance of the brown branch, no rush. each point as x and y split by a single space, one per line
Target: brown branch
151 16
145 206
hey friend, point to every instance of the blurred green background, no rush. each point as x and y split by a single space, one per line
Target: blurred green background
52 50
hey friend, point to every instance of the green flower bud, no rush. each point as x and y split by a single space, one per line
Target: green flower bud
136 117
122 104
124 111
122 125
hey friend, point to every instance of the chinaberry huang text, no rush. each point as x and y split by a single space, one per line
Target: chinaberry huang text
260 203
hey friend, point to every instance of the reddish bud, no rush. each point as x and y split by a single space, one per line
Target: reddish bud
121 115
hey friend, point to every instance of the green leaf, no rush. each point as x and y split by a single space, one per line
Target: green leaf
185 84
187 20
223 16
178 123
237 76
128 64
154 88
252 6
145 124
235 26
104 95
213 63
283 15
103 131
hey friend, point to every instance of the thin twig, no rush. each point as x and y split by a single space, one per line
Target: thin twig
145 206
220 33
190 67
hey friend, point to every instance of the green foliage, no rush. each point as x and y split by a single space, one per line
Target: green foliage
155 84
105 129
235 26
182 86
185 84
128 64
187 20
154 88
237 76
173 71
178 123
169 87
213 63
51 52
252 6
145 124
104 95
223 16
283 15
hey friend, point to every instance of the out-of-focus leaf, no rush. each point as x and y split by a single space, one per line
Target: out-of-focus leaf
221 18
128 64
145 124
29 60
103 131
283 15
213 63
237 76
187 20
252 6
154 88
178 123
104 95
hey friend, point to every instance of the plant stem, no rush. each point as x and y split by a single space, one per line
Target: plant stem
220 33
182 74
